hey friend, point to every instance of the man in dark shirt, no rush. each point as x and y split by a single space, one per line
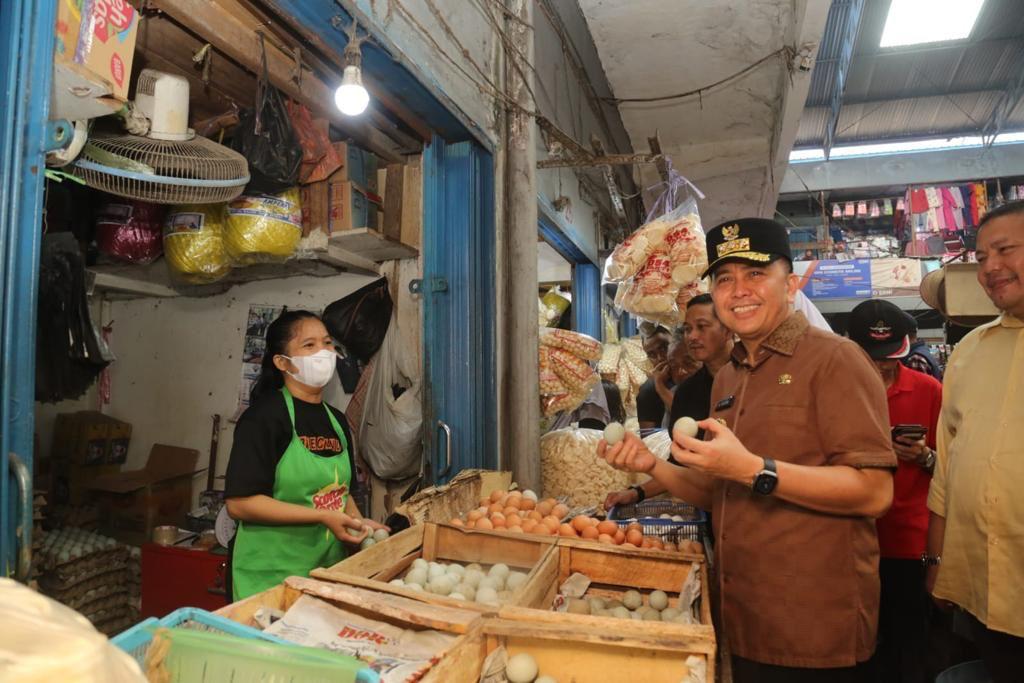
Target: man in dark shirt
920 357
710 343
650 410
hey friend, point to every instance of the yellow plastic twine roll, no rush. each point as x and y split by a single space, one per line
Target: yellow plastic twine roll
263 229
194 243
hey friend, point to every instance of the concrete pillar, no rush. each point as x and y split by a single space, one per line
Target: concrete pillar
520 404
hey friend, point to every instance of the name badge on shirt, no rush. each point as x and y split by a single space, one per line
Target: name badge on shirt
725 403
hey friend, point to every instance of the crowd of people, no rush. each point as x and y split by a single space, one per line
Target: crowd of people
862 500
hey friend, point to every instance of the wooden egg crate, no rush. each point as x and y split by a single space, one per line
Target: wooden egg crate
374 567
574 653
612 572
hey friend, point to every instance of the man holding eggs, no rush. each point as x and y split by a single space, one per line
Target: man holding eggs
796 467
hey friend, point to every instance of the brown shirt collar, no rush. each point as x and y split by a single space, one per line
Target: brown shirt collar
783 339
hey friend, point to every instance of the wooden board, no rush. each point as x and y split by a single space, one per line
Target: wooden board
568 652
370 244
389 559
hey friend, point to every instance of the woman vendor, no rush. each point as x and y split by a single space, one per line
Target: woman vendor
290 476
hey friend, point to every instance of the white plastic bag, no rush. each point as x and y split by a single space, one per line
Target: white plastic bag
391 430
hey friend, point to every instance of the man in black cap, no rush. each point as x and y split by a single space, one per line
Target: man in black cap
797 465
914 403
920 357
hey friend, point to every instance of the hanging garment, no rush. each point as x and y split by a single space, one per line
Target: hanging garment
901 205
862 208
981 196
837 211
849 210
876 210
887 207
934 198
918 201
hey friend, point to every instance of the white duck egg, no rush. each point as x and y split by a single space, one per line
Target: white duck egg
499 569
658 600
420 563
475 567
492 582
455 595
396 582
436 571
473 577
632 599
487 596
515 581
530 495
466 590
417 575
521 668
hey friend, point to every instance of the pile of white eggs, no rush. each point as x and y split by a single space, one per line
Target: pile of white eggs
631 606
494 586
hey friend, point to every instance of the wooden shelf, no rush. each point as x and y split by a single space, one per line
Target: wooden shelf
125 281
371 244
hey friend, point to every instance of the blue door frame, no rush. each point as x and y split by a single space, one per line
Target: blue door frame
26 38
586 277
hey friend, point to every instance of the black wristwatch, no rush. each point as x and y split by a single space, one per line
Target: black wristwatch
641 495
767 479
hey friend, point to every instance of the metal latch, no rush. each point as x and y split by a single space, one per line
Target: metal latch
437 284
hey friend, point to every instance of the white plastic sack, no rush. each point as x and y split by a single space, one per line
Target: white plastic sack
391 430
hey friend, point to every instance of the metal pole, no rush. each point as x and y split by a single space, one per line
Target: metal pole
520 398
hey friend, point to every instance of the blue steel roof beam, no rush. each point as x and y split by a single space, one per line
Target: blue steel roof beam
848 13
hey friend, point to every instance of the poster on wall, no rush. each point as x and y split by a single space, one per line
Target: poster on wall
253 348
859 278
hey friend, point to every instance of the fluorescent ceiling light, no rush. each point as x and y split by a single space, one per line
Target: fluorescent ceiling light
911 22
878 149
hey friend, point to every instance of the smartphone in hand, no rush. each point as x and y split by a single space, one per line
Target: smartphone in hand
914 432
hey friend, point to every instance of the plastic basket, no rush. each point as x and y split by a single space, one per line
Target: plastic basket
648 515
136 640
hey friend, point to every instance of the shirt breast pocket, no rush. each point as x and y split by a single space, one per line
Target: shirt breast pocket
787 430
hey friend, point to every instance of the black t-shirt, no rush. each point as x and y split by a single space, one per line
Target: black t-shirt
262 436
649 406
693 398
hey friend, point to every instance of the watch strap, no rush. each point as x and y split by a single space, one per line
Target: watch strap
641 495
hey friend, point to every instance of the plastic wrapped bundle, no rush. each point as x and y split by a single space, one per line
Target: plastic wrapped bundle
570 468
194 243
263 229
578 344
131 231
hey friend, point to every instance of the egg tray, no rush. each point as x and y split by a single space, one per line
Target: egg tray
58 589
51 560
77 599
647 515
73 574
92 604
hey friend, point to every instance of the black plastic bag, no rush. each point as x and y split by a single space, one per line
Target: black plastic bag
349 373
266 139
360 320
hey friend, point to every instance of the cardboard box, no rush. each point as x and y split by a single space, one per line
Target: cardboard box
349 207
402 215
358 166
90 438
133 503
99 35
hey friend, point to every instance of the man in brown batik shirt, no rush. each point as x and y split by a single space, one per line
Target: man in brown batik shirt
797 466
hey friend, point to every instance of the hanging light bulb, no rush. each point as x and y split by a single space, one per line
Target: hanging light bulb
351 97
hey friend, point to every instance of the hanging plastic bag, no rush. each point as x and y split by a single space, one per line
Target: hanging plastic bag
194 243
266 139
130 230
391 430
263 229
319 157
360 320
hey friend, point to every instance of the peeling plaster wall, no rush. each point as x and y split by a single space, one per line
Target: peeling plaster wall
179 361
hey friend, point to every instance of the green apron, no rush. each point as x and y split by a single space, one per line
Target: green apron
265 555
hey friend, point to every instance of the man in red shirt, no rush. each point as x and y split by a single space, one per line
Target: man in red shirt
915 398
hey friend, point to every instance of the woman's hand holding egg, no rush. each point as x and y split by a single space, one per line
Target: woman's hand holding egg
342 526
723 457
630 454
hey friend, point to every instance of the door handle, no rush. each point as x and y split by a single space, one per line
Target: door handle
23 532
448 448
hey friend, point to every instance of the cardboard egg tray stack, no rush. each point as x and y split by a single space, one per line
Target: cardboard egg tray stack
93 574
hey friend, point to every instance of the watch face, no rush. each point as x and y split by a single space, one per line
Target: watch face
765 483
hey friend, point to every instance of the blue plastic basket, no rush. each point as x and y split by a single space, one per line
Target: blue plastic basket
135 641
646 514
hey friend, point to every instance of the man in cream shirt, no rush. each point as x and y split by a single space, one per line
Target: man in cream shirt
975 554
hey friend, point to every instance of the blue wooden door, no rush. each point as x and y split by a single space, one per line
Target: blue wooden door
26 66
459 302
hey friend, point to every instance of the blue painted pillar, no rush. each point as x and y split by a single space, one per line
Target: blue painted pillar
586 299
26 71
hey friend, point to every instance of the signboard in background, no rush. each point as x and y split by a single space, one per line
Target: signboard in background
859 278
835 279
895 277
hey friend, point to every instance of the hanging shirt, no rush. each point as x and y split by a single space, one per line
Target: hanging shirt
914 398
978 473
918 201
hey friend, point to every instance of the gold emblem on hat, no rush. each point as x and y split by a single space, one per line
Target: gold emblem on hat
785 378
731 232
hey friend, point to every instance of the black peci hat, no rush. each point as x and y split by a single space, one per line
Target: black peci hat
881 329
759 240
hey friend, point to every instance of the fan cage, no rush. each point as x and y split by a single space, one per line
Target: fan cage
197 171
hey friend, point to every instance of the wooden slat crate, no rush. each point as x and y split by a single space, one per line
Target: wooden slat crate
374 567
572 652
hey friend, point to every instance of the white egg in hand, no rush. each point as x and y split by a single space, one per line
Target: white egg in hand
685 426
614 433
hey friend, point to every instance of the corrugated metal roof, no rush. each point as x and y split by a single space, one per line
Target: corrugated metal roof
898 93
